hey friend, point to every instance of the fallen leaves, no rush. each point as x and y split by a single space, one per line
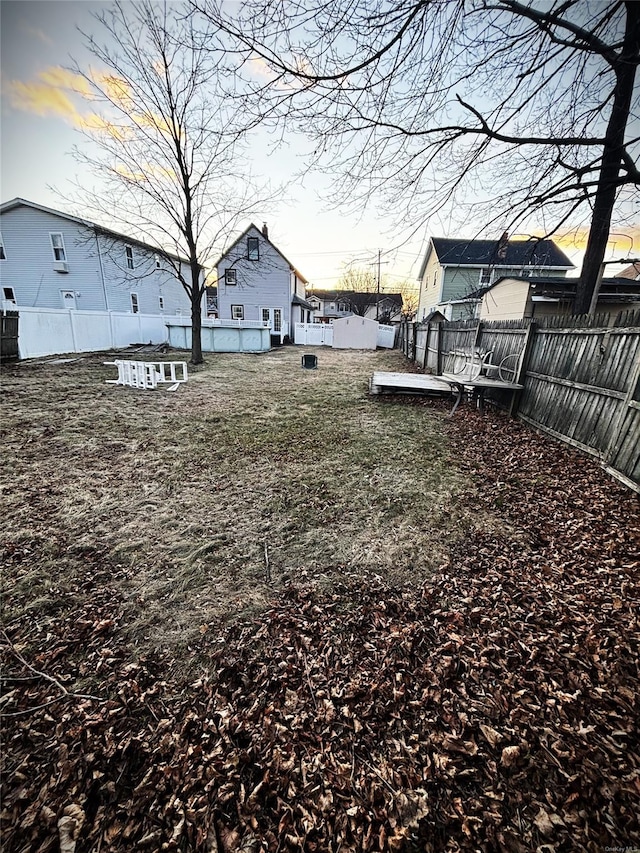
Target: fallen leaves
493 708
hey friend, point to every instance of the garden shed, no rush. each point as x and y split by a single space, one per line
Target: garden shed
355 332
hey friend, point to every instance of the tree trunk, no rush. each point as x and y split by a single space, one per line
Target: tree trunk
196 316
611 162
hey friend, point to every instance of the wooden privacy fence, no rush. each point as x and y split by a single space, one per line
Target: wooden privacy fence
8 336
581 377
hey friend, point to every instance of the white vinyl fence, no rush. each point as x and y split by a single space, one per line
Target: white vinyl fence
321 334
54 331
314 334
386 336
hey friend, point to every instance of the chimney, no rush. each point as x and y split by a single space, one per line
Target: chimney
503 245
265 231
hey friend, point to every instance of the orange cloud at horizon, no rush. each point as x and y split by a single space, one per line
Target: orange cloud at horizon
625 242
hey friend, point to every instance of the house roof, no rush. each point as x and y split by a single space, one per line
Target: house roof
434 316
632 272
363 296
266 239
298 300
87 223
483 253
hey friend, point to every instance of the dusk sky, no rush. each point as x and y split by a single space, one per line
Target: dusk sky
40 118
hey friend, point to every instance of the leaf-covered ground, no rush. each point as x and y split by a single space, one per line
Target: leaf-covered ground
492 707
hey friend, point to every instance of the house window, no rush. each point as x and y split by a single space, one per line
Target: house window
8 294
57 244
157 259
253 249
129 253
266 317
134 303
237 312
161 302
485 276
342 306
230 277
3 256
277 319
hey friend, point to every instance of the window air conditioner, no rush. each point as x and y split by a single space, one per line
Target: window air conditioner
61 266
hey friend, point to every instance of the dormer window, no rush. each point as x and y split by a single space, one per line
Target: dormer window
253 248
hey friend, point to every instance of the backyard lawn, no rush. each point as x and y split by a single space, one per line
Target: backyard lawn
270 612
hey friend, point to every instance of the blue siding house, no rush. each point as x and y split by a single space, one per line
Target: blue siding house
49 259
257 283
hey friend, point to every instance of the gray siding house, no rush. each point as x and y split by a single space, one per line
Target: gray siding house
49 259
257 283
456 272
330 305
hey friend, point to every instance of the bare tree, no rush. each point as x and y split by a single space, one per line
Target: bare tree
410 298
357 287
166 143
500 110
360 289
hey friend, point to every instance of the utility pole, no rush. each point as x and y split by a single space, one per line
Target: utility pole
377 263
378 290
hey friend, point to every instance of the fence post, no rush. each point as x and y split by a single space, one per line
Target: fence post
478 336
426 347
522 368
72 327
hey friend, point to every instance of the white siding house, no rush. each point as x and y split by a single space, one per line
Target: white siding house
257 283
331 304
52 260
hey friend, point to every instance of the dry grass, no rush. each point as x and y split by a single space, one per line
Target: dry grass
205 502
